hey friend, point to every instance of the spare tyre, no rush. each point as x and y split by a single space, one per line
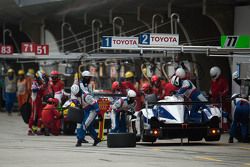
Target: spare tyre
75 114
121 140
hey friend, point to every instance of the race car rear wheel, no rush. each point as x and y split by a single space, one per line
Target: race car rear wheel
145 137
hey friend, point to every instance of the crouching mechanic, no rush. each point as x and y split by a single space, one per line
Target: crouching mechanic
120 107
51 117
91 110
241 118
187 88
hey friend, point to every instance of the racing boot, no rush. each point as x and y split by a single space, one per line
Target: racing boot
84 141
230 140
46 132
79 143
30 133
39 133
97 141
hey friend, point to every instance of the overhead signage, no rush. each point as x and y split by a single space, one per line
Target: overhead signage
119 42
235 41
27 47
159 40
33 48
42 49
6 49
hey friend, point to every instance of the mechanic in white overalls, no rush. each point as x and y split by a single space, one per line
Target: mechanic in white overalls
91 110
120 108
187 88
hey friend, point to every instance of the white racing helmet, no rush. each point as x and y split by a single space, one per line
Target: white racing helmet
131 93
215 72
176 81
75 89
235 75
131 97
180 72
235 95
86 74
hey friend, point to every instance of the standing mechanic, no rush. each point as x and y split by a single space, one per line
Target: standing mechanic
85 82
57 85
219 88
91 110
41 92
10 90
219 91
22 89
241 118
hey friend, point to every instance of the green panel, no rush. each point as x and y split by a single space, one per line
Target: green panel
242 41
223 40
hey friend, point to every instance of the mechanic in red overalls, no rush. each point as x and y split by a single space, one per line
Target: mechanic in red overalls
130 83
38 89
169 87
51 117
219 91
158 87
56 83
219 86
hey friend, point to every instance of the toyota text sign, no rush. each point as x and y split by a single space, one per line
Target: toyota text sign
159 40
119 42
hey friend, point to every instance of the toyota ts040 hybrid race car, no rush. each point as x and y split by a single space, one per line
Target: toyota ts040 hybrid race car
170 118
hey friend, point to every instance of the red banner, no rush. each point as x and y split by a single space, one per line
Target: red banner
42 50
6 49
28 47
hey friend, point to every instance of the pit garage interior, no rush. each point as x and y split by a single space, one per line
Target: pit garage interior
76 26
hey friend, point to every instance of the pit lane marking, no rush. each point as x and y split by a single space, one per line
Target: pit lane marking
246 164
208 158
245 148
156 149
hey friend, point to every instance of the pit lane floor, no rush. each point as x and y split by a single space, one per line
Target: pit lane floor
19 150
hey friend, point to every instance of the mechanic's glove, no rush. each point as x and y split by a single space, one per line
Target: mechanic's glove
130 112
173 92
133 117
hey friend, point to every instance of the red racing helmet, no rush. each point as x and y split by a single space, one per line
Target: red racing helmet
115 85
54 72
155 79
146 87
55 101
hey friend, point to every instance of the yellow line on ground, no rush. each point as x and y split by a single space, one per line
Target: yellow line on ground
208 158
156 149
246 164
245 148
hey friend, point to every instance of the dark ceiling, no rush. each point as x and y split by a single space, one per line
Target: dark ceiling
19 10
